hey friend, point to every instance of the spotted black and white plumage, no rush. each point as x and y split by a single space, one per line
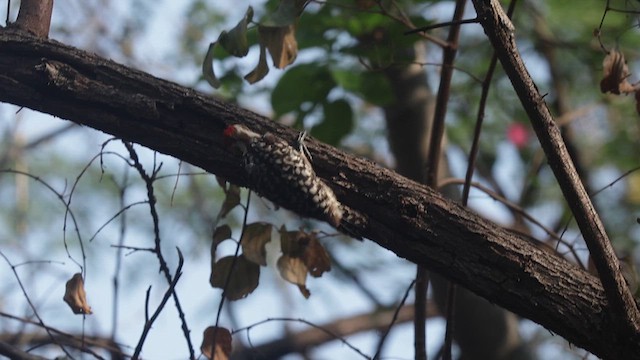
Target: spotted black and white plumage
284 174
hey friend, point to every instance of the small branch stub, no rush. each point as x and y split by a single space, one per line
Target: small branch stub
35 17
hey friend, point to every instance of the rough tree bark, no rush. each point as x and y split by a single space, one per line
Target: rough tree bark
407 218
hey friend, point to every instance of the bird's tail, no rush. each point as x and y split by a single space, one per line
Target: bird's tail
352 223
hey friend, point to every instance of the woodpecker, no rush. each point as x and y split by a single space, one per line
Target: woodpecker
284 174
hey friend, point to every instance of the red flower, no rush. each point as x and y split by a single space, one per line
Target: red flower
518 135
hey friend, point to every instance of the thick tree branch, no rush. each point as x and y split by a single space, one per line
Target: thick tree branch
405 217
501 33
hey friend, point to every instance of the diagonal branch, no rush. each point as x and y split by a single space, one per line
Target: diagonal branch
500 31
405 217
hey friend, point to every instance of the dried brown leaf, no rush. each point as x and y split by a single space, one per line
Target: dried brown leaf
219 336
616 74
305 246
75 296
291 242
244 277
281 43
316 258
220 234
255 237
231 200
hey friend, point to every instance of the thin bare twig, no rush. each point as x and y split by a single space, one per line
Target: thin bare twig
31 305
486 85
68 211
433 162
149 320
120 212
227 281
393 320
164 268
113 347
115 310
442 24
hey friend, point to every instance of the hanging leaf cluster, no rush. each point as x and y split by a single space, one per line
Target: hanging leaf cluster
238 276
302 254
276 34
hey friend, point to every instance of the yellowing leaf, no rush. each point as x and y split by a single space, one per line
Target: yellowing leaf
243 277
217 338
281 43
75 295
294 271
254 239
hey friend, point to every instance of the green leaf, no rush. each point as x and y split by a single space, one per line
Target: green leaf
235 41
303 83
286 14
337 123
373 87
207 67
